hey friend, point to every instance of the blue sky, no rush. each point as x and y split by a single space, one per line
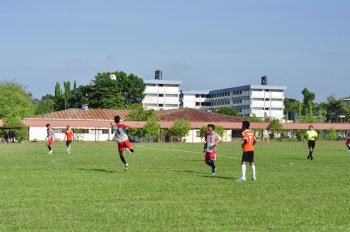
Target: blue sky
204 43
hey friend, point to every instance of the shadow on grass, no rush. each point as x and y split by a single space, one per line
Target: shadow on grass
96 170
221 177
294 158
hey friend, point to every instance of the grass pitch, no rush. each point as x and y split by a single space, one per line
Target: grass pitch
169 188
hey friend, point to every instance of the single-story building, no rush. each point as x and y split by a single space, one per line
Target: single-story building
94 124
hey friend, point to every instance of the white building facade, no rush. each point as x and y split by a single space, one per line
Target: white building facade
162 94
196 100
262 101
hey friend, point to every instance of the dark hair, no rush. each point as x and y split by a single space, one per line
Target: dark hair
117 119
212 126
246 124
311 126
47 124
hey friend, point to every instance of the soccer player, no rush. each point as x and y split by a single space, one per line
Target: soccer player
348 143
68 137
212 139
49 138
123 140
311 136
249 141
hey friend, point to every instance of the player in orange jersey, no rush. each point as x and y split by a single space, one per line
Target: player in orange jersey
68 137
249 141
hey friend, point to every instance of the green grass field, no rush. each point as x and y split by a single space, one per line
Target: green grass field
169 188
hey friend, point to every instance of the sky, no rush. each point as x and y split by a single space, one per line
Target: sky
205 44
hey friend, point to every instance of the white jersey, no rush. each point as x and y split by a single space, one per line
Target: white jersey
119 132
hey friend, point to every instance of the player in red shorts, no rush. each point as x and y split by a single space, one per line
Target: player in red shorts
348 142
50 137
122 139
212 139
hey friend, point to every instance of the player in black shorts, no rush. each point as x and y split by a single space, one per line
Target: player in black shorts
248 150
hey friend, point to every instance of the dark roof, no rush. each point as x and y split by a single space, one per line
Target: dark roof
80 114
194 115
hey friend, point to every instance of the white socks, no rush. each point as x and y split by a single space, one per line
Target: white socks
253 169
243 170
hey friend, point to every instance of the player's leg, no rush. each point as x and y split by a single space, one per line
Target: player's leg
243 166
48 144
253 165
348 147
312 149
309 145
121 148
128 146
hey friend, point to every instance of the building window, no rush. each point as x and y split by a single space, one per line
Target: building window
160 105
198 134
105 131
161 95
59 130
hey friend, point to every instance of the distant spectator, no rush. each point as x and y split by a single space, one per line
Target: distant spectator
6 137
13 136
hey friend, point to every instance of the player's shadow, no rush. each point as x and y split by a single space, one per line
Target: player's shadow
294 158
95 170
221 177
186 171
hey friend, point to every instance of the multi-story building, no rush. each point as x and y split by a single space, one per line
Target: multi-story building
262 101
161 94
195 99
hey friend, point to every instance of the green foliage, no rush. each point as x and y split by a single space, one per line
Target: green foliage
275 127
254 118
22 133
180 128
334 108
45 105
308 100
227 111
138 113
15 101
151 128
332 134
290 105
58 91
202 131
219 130
300 134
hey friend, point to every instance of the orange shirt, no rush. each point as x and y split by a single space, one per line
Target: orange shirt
249 136
69 134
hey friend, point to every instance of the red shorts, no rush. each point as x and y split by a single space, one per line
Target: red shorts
50 140
124 144
211 155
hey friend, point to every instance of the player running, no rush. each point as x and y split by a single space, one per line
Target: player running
212 139
49 138
122 139
249 141
348 143
311 136
68 137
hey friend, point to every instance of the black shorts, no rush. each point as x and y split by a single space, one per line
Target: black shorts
68 143
248 156
311 143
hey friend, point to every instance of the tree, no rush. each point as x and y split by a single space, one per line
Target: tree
138 113
227 111
275 127
45 105
219 130
332 134
334 108
58 91
21 132
67 94
308 100
15 101
290 107
151 128
180 128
